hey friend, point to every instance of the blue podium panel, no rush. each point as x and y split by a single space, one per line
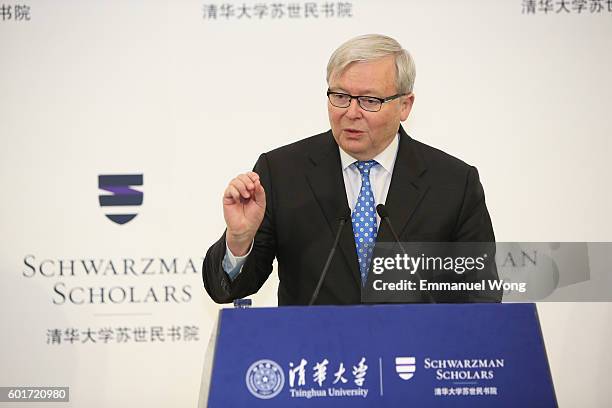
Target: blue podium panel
468 355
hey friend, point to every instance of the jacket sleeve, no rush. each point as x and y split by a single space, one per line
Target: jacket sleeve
258 264
474 225
474 222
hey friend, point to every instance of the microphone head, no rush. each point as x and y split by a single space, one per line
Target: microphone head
382 211
344 214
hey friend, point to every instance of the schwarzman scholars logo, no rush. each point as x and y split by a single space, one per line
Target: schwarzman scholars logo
122 195
265 379
405 367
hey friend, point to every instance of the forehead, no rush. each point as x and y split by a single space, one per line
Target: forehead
359 78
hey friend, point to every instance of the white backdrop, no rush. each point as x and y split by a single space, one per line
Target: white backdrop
160 88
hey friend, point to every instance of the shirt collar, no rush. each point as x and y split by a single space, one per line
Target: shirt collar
386 158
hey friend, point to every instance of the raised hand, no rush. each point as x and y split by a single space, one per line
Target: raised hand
244 205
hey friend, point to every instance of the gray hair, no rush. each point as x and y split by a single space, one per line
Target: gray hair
370 47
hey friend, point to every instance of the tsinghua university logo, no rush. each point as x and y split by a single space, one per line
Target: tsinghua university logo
265 379
122 195
321 378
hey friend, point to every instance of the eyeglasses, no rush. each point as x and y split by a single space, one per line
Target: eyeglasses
367 103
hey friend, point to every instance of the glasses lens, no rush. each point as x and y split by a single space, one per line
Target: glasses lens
340 100
370 104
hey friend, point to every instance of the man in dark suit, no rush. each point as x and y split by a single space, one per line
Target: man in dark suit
288 207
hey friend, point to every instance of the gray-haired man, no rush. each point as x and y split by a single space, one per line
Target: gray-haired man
288 207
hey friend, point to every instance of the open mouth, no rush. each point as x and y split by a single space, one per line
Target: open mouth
353 131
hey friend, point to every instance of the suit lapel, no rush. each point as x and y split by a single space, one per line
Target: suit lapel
327 184
405 190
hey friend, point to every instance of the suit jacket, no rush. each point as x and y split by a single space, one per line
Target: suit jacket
432 197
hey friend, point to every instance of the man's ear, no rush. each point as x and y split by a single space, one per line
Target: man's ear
406 106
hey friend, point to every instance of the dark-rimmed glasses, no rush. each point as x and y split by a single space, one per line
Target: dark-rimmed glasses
367 103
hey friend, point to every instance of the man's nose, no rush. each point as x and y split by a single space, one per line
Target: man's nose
354 110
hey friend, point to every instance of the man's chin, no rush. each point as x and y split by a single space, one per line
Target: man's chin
355 149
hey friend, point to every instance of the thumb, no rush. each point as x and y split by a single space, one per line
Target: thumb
260 194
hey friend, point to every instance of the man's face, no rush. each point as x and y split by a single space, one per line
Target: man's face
360 133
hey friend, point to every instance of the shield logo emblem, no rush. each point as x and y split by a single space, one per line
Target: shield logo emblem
120 204
405 367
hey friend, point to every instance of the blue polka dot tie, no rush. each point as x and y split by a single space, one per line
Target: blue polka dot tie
364 219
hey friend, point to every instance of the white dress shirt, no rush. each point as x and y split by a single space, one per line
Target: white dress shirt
380 180
380 175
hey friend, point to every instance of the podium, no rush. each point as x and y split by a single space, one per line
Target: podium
419 355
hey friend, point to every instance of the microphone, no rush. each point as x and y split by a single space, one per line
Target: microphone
343 215
384 216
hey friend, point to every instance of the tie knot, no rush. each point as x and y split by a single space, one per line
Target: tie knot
365 166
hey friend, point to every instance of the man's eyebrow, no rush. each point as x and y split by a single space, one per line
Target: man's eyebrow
367 92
